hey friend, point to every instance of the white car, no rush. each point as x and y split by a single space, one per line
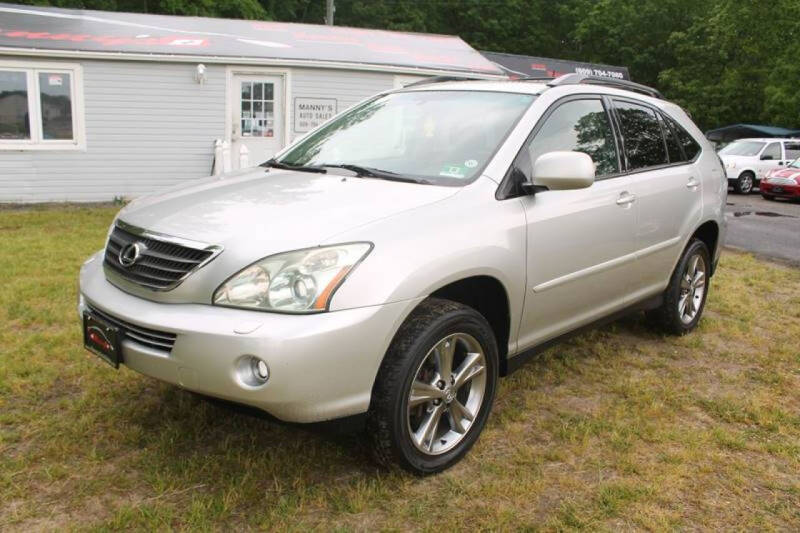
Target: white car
747 161
395 262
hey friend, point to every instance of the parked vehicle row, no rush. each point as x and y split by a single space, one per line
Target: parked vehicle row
399 259
747 161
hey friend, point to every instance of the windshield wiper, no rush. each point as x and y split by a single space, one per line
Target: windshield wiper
274 163
371 172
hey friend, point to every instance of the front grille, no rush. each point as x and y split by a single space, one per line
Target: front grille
161 265
151 338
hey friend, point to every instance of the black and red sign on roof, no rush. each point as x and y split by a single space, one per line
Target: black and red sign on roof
520 66
46 28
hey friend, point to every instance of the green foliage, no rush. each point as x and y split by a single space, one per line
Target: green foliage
733 65
725 61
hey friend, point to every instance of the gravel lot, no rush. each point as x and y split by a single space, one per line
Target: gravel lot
766 228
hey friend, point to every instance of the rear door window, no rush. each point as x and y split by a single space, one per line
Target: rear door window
674 150
792 150
641 135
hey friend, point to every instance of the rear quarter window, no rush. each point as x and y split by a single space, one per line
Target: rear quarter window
691 148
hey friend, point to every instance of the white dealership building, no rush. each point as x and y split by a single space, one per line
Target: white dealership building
97 105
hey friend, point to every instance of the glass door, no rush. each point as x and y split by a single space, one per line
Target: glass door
257 121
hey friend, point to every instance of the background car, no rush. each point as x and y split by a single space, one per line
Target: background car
784 182
748 160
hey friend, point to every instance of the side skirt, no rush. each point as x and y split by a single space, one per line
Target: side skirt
516 362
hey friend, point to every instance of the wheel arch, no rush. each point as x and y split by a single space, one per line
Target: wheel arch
489 297
708 232
747 171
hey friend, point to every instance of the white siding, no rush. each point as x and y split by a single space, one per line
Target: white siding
348 87
150 126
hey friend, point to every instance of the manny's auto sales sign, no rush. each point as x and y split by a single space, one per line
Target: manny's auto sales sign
311 112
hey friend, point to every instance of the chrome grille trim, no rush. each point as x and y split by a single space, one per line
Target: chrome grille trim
164 263
156 340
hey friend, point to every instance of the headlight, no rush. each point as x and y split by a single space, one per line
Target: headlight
302 281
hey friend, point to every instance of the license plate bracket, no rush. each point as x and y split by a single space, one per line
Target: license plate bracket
102 339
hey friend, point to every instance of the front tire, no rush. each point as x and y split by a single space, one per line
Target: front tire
435 388
685 297
744 183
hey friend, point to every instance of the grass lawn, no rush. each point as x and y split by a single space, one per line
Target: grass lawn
621 428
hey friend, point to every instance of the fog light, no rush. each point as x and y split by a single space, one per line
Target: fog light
260 369
252 371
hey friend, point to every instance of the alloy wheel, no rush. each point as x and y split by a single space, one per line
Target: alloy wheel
446 394
693 288
746 183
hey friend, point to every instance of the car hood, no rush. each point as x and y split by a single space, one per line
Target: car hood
271 210
790 173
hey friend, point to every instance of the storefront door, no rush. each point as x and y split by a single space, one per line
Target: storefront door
257 118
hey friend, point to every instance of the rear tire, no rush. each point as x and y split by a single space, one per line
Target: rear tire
415 390
685 297
744 183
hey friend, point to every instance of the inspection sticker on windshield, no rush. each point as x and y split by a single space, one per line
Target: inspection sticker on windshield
470 163
452 171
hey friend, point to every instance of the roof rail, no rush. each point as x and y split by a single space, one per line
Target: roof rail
438 79
534 78
574 79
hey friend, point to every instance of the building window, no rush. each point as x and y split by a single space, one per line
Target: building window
41 106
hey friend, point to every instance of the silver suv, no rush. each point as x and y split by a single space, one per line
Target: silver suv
397 260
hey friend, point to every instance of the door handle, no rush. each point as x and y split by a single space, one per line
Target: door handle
693 183
626 198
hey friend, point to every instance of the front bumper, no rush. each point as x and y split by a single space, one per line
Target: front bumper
786 190
322 366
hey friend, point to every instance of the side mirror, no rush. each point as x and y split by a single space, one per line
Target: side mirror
561 171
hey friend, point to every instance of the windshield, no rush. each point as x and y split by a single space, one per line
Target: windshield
440 137
795 163
742 148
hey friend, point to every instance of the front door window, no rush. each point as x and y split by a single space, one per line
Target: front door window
257 119
258 109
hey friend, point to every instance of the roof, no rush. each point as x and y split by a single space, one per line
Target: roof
505 86
516 65
750 131
570 82
64 32
766 139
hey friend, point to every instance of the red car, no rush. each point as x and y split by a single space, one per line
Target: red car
783 182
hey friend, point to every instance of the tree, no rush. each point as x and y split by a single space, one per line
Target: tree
725 61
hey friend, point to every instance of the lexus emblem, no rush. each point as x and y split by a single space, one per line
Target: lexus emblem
130 253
